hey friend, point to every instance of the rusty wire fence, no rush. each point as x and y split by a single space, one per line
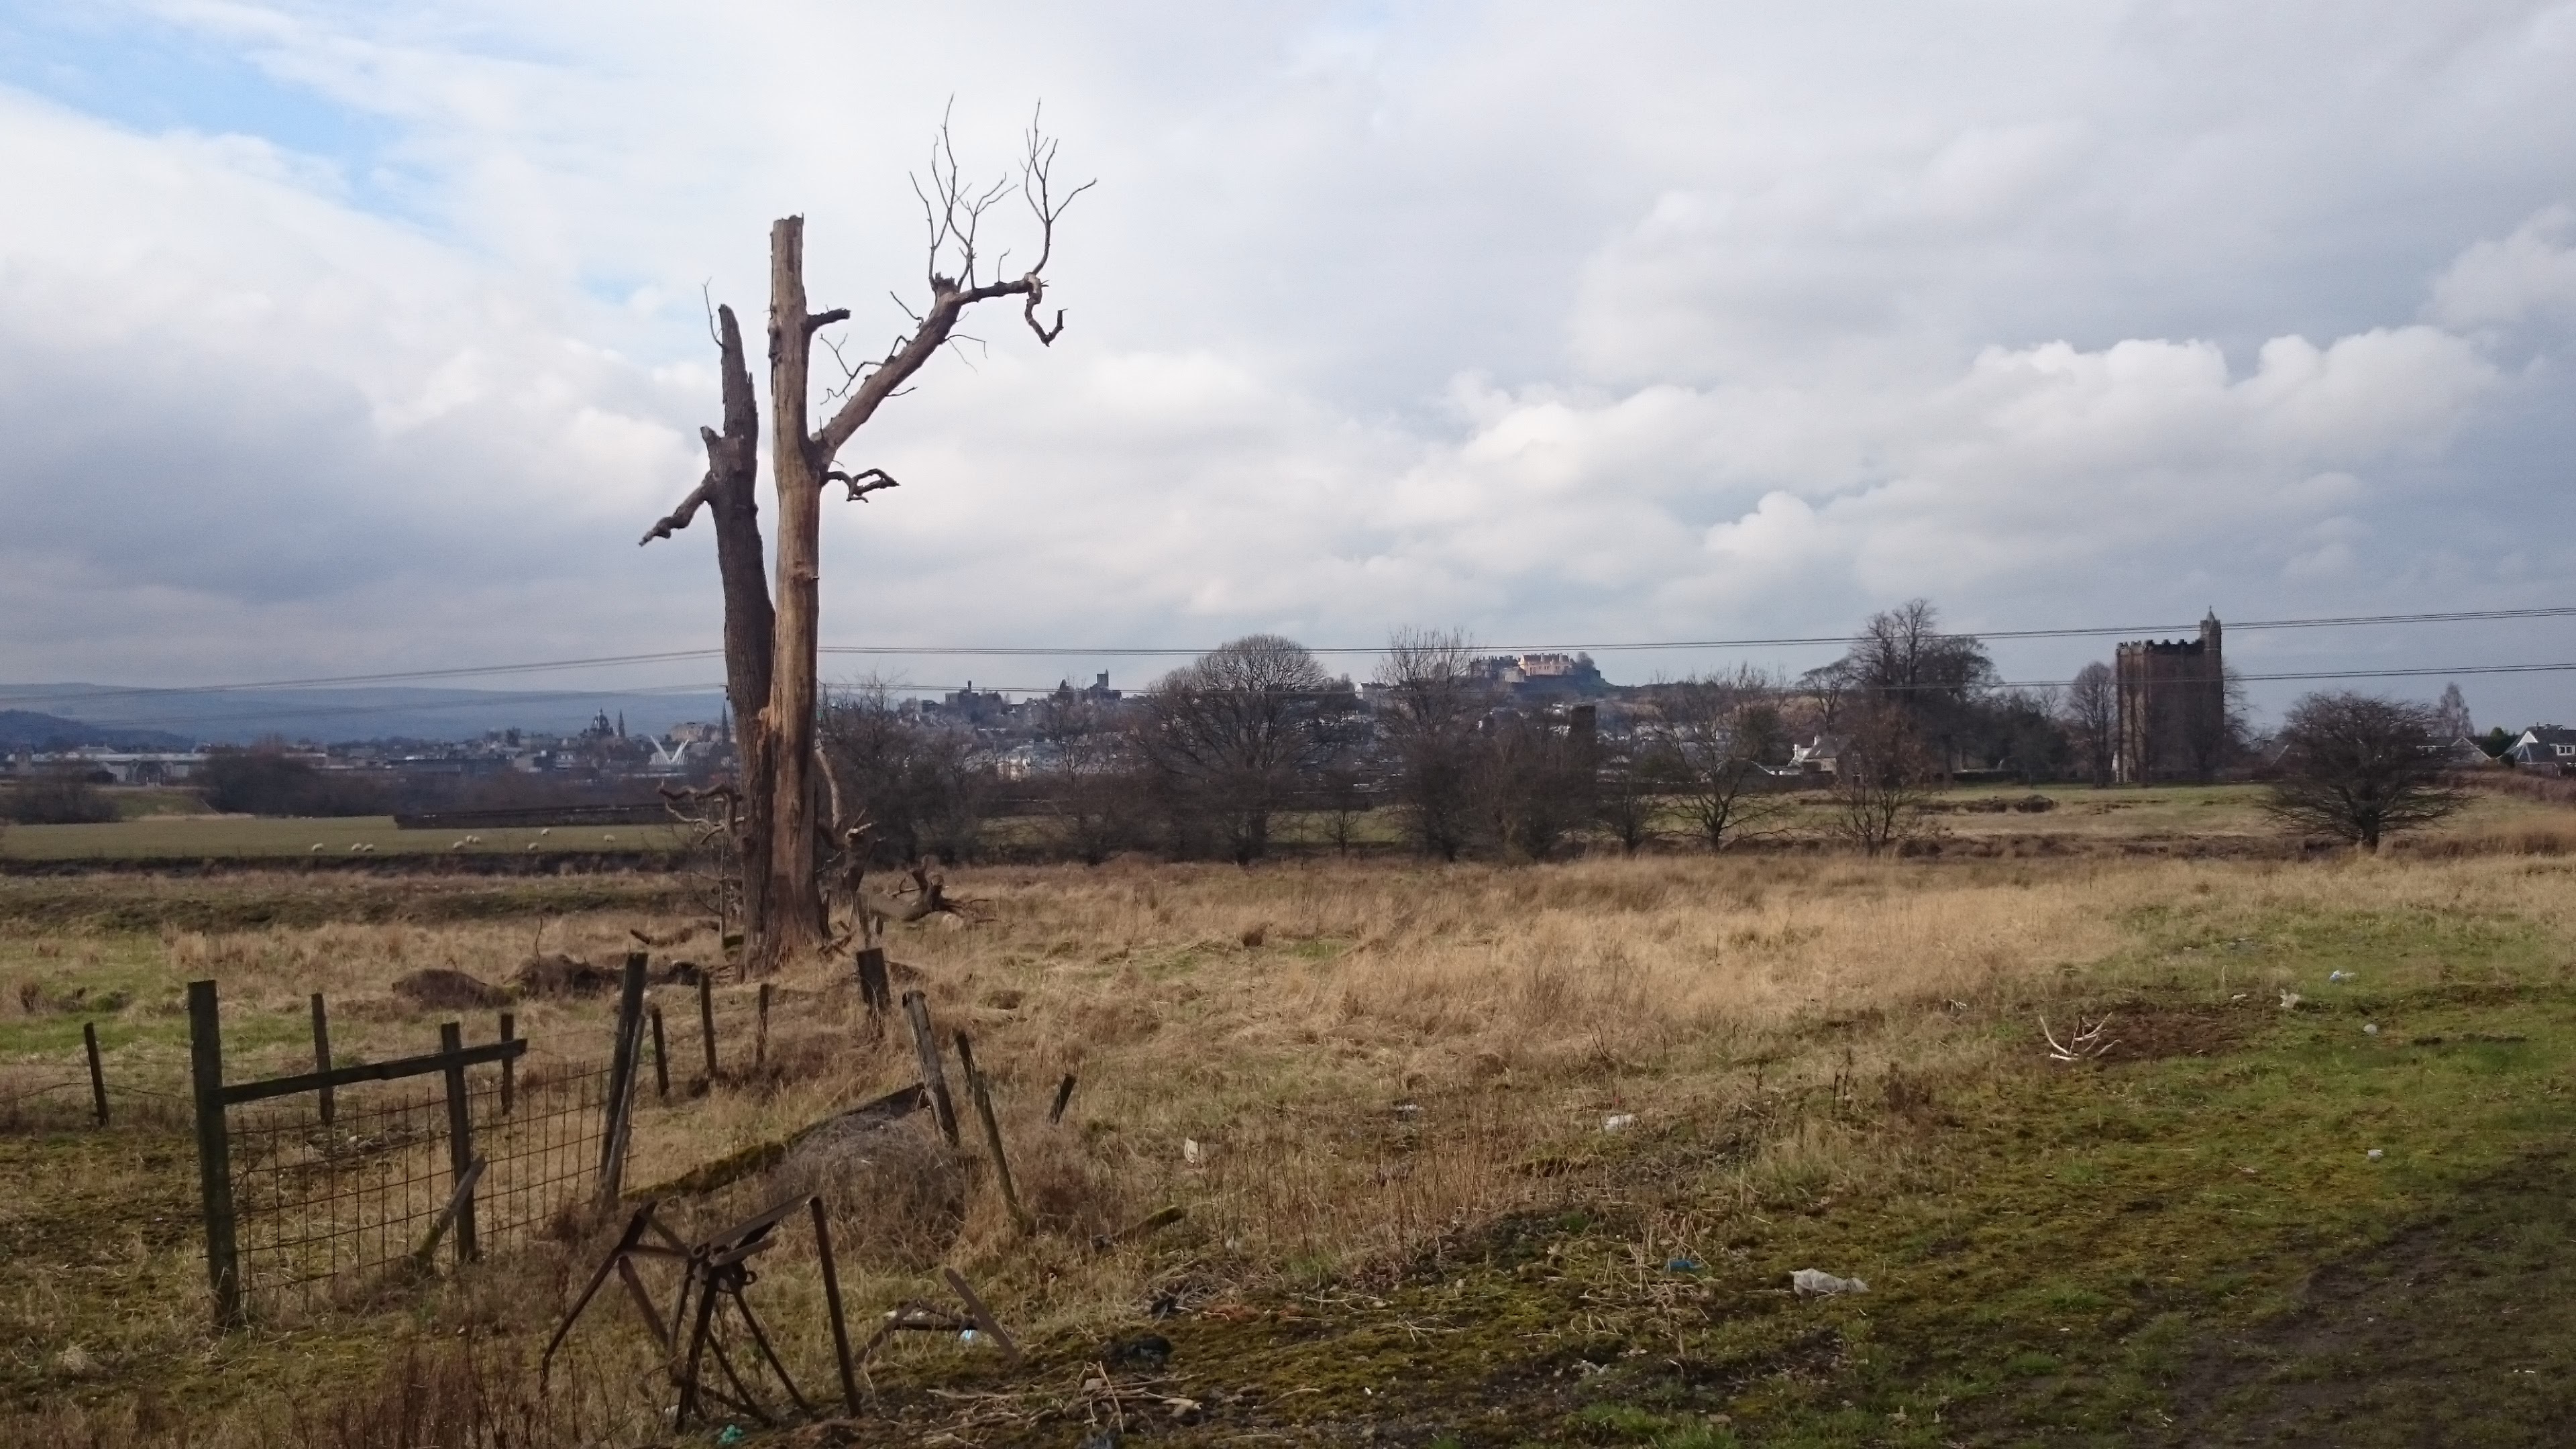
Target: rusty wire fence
335 1205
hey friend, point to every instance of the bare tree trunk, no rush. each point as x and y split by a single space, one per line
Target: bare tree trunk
731 495
749 622
796 900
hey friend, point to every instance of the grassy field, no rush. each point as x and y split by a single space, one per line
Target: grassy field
2166 819
171 835
1486 1156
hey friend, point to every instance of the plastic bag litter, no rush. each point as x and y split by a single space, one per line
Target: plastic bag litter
1813 1284
1619 1122
2377 1153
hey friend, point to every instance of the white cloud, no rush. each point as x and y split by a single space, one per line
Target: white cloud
1629 321
2532 271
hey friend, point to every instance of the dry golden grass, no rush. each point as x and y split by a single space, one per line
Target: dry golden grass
1369 1058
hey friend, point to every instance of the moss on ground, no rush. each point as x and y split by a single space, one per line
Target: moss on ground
2188 1244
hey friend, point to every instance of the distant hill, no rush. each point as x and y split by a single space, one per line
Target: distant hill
328 716
26 729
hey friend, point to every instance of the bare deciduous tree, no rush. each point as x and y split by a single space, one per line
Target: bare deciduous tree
2092 716
1880 780
1232 737
2360 768
917 783
1433 701
1531 779
1902 660
1717 731
771 672
1630 788
1089 778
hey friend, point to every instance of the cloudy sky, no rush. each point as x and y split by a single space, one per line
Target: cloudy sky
338 338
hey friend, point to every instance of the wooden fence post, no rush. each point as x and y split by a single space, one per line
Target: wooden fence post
916 1007
661 1057
509 1065
460 1143
214 1151
707 1023
97 1075
322 1053
874 988
760 1032
832 1303
976 1089
621 1078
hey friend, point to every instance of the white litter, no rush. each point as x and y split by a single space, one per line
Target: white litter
1191 1152
1618 1121
2370 1028
1812 1284
2376 1154
2339 976
2289 1001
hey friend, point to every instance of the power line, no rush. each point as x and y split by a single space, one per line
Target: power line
1637 646
499 700
385 677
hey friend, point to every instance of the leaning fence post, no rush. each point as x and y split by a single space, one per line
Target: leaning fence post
97 1076
832 1302
707 1023
661 1057
509 1065
621 1078
322 1054
992 1128
214 1151
460 1141
760 1032
916 1007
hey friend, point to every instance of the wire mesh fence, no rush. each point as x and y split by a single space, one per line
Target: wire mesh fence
332 1214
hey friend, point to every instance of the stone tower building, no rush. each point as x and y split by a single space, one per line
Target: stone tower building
2173 708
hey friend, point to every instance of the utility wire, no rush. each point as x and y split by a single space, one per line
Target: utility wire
1061 651
505 700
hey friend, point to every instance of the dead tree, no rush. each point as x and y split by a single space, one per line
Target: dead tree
771 673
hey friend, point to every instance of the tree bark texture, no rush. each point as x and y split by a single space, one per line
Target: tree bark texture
733 463
796 901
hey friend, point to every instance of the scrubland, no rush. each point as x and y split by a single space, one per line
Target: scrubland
1483 1154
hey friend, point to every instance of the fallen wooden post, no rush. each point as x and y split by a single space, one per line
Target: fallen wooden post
983 1316
456 1202
1153 1222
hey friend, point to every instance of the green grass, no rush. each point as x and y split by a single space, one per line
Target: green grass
2192 1249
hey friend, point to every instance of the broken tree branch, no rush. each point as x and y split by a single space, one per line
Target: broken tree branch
862 483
